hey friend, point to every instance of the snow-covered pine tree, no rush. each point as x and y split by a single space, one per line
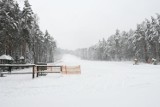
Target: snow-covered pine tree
140 43
9 16
20 34
153 39
117 48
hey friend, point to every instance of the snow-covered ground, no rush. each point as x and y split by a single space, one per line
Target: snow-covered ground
101 84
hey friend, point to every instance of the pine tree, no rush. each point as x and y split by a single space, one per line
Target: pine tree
20 34
142 44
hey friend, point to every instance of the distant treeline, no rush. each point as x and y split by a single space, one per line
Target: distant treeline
20 34
142 44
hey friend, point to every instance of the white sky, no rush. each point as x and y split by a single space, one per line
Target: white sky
81 23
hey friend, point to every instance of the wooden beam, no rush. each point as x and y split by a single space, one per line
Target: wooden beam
33 72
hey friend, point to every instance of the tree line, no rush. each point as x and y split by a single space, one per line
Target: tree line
20 34
142 44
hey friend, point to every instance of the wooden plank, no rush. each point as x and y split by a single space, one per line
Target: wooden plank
17 73
48 72
48 66
17 65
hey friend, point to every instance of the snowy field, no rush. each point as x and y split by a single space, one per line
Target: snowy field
101 84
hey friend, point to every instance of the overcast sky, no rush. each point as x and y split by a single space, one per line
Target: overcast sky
81 23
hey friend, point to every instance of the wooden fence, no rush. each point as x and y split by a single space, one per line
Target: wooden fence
71 69
42 69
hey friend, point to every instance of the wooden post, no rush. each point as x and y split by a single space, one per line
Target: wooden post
33 72
51 68
37 71
66 69
79 69
61 69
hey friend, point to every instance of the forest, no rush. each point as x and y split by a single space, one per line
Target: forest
142 44
20 34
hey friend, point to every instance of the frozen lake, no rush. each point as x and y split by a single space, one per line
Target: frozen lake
101 84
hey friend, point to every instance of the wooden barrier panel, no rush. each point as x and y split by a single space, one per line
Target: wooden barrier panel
48 68
54 69
71 69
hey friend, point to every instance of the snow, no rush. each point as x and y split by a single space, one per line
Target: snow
6 57
101 84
